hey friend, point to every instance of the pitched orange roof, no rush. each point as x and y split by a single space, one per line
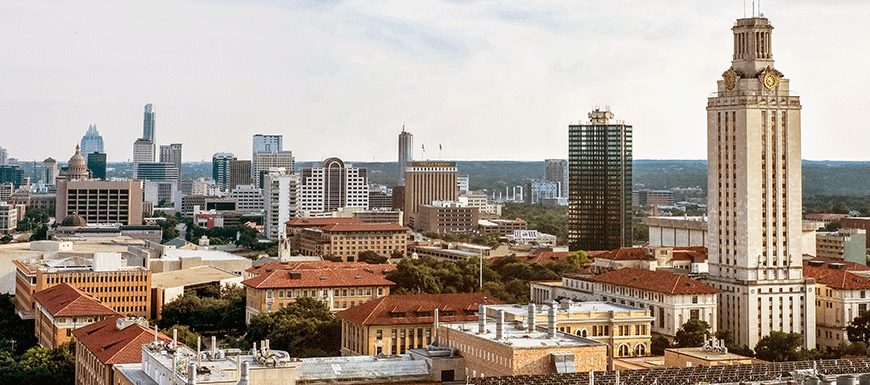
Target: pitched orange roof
282 279
837 274
658 281
697 254
626 254
317 222
64 300
113 346
343 227
320 265
417 308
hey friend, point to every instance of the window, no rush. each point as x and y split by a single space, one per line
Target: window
694 314
379 334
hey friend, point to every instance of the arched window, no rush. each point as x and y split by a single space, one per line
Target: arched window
640 350
581 333
623 350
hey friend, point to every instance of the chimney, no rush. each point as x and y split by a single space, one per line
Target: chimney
481 319
551 324
191 374
243 380
175 338
198 351
499 324
531 317
435 326
213 345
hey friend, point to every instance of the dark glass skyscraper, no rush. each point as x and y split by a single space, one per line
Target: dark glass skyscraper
97 164
148 126
599 194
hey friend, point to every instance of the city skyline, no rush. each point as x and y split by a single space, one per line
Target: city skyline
485 81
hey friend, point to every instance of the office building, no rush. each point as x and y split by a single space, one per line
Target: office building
267 143
843 244
332 185
100 201
279 202
157 172
63 308
446 217
647 197
406 154
599 199
148 125
49 171
8 217
239 173
395 323
248 198
556 170
11 174
171 154
92 142
220 169
537 191
426 182
857 223
380 215
347 240
754 195
160 193
143 152
462 183
3 156
97 164
264 161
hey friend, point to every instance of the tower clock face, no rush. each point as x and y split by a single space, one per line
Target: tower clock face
770 80
730 80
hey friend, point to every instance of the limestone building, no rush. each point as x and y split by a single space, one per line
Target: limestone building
426 182
842 293
754 195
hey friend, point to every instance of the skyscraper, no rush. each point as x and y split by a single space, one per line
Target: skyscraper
267 143
557 171
263 161
220 170
3 156
332 185
148 126
143 152
49 171
92 141
171 153
239 173
599 198
406 153
754 195
279 201
97 164
426 182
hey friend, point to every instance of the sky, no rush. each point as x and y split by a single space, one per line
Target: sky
484 80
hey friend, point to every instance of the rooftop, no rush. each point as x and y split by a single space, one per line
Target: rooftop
838 274
655 281
520 312
176 254
417 308
114 345
278 279
193 276
517 336
64 300
319 265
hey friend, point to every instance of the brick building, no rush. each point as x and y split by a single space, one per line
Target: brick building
62 308
347 240
112 341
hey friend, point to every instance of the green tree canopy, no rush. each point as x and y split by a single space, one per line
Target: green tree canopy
208 314
305 328
658 344
692 333
371 257
859 328
780 346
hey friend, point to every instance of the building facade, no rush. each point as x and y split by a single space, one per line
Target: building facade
100 201
220 169
406 154
49 171
599 199
143 152
843 244
97 164
267 143
332 185
842 293
92 141
346 240
754 195
264 161
171 154
239 173
63 308
279 202
115 340
557 171
148 124
248 198
446 217
426 182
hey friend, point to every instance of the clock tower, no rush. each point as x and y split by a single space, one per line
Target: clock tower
754 195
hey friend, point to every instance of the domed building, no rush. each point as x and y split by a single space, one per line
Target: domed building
78 167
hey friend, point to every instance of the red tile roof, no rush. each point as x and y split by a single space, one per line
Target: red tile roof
697 254
842 277
626 254
64 300
344 227
320 265
318 222
113 346
282 279
417 308
658 281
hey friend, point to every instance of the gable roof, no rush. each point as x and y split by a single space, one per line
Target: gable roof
657 281
283 279
626 254
318 222
320 265
417 308
837 274
65 300
114 346
345 227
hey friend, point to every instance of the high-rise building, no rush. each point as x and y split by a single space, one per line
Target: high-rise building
97 201
279 201
97 164
171 154
148 126
158 172
263 161
3 155
599 199
557 171
332 185
267 143
426 182
220 168
143 152
11 174
406 153
92 141
49 171
239 173
754 195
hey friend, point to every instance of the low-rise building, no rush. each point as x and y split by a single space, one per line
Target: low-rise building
842 293
63 308
113 341
446 217
683 260
677 231
380 215
338 289
8 217
503 227
843 244
346 241
170 285
396 323
704 356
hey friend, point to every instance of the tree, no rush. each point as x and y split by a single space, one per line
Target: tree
185 336
305 328
727 338
39 365
208 314
658 344
13 328
371 257
859 328
397 254
693 333
579 258
780 346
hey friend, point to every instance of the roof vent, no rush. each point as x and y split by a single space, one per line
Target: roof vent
836 265
357 277
295 275
322 278
816 263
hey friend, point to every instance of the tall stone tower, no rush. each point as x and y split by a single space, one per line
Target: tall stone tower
406 154
754 195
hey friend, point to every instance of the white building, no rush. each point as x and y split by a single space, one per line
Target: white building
248 197
8 217
843 293
754 195
672 299
462 183
332 185
279 201
481 201
263 161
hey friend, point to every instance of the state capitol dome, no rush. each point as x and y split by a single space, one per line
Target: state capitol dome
78 168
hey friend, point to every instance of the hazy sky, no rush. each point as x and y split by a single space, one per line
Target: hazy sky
485 79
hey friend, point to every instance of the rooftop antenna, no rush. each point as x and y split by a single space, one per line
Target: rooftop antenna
744 15
753 8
